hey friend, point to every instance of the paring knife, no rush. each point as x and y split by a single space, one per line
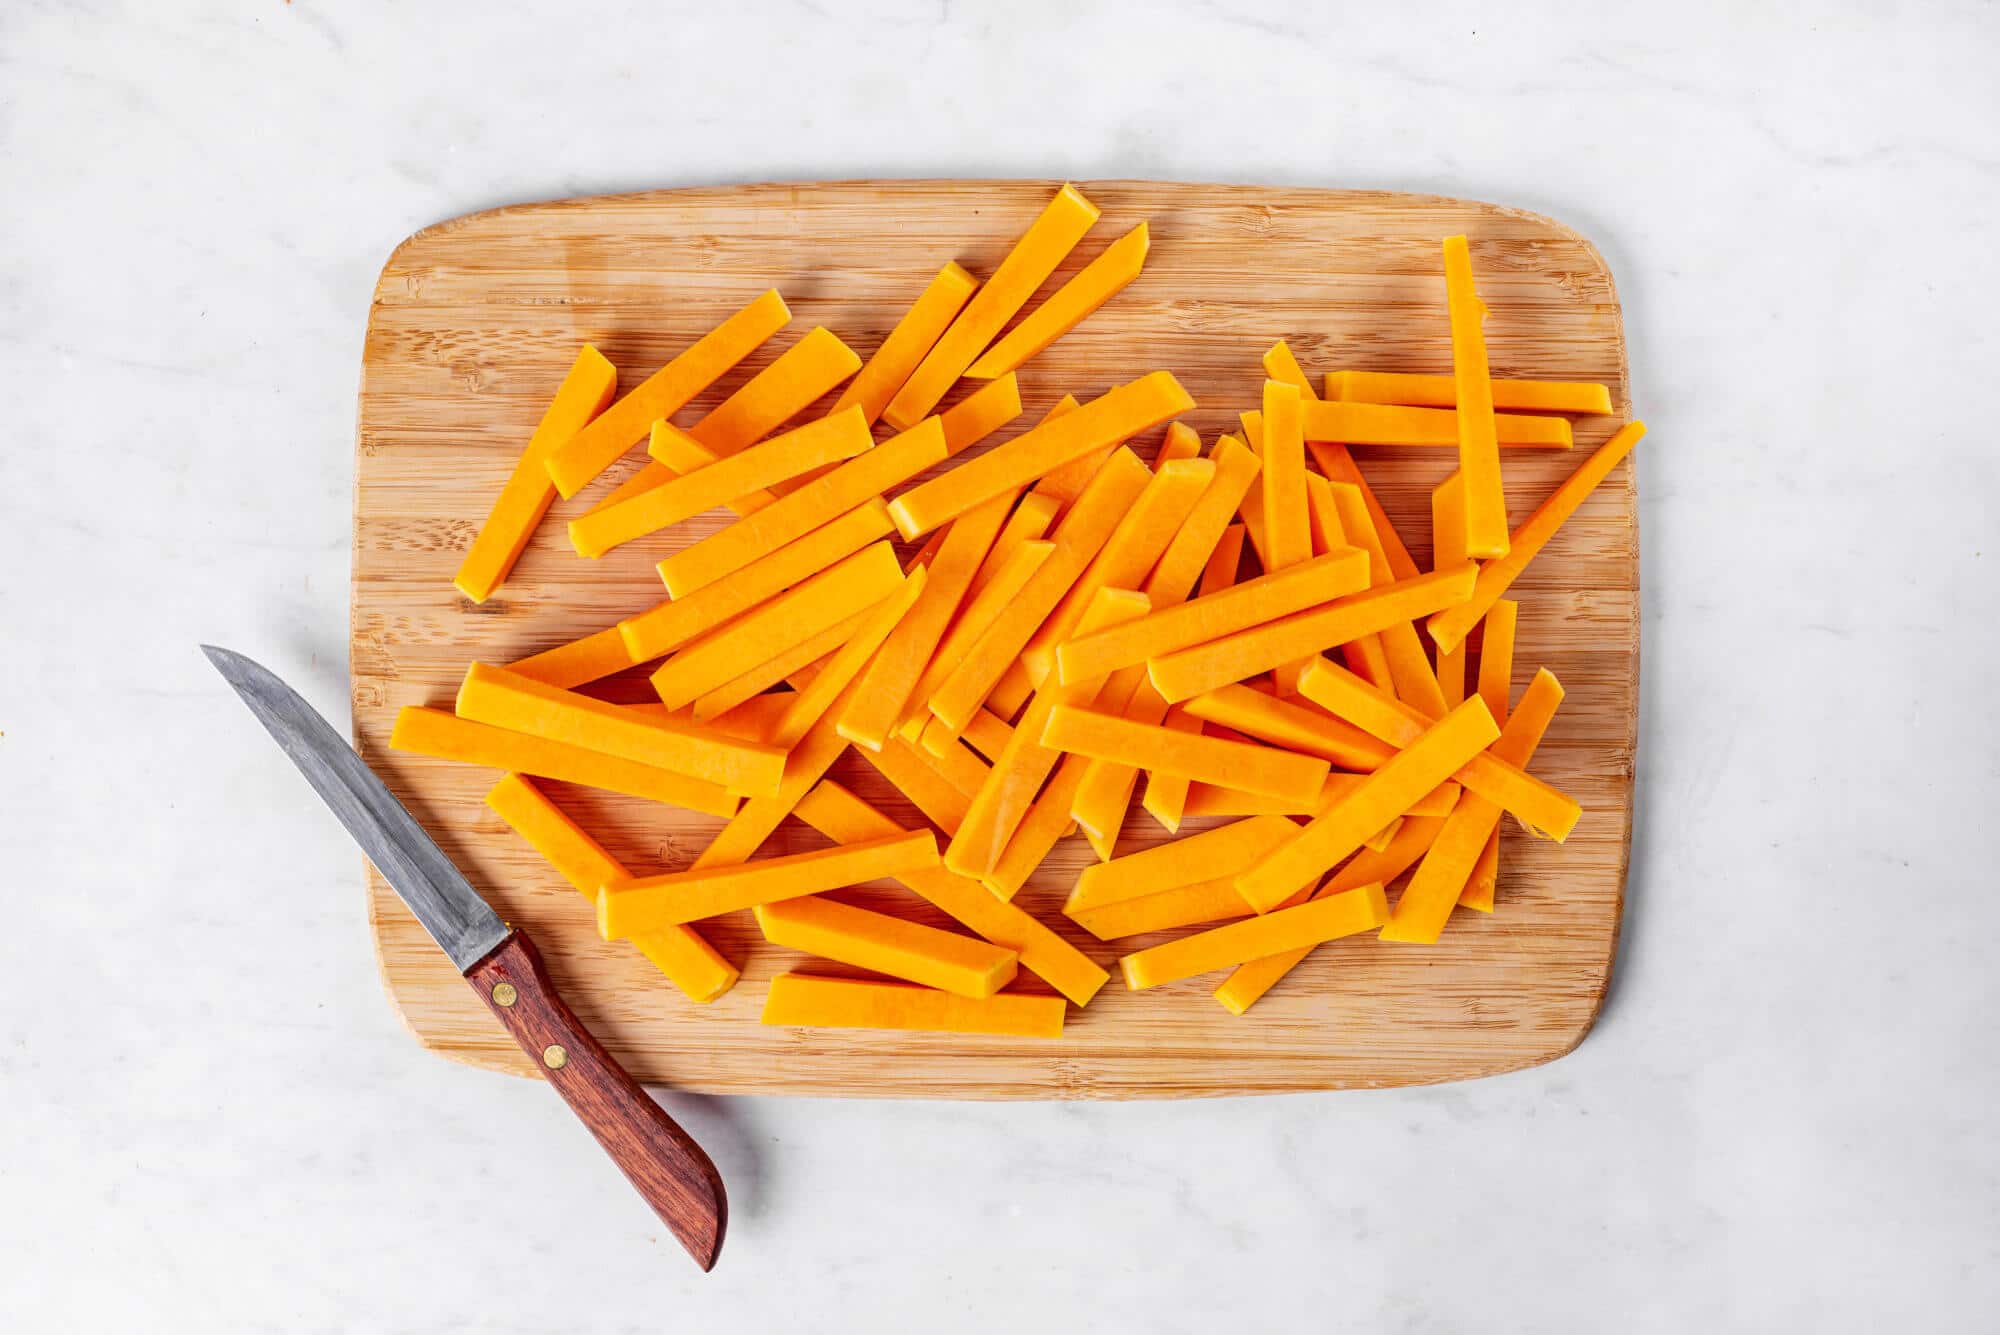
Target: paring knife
677 1179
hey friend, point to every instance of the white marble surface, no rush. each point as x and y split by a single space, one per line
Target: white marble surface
211 1119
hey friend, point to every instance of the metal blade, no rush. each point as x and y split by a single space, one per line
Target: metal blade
437 892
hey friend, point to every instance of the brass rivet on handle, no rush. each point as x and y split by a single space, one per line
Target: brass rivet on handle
554 1057
504 994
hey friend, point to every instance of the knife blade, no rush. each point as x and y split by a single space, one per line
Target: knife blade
675 1176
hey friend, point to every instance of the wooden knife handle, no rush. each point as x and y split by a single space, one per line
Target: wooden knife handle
677 1179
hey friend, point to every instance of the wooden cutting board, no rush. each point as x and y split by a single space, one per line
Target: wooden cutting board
474 322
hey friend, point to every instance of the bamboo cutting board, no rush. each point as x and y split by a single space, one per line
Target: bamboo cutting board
474 322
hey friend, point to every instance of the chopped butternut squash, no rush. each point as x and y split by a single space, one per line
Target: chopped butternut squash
508 700
1034 257
1306 924
1472 387
1224 851
1258 769
790 517
695 966
1451 625
1105 420
1442 875
828 440
888 945
892 678
528 493
679 620
914 335
1096 283
846 819
845 589
1441 391
1133 549
1389 424
574 464
1384 795
1537 806
1081 535
1260 648
446 736
648 903
1322 581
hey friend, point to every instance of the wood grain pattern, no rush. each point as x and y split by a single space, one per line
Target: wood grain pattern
473 324
674 1175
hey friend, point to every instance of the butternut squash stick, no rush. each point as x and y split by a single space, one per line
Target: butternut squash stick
673 623
790 517
1364 653
980 413
1017 776
1224 851
1441 391
1384 795
827 440
1256 977
1180 442
1034 257
679 952
527 494
1183 906
1111 417
1442 876
846 819
978 612
986 734
1047 821
1067 307
1106 794
1448 550
817 698
1496 677
1478 425
648 903
1409 666
1304 925
1537 806
845 589
1322 581
942 802
592 657
1287 534
1030 522
888 685
445 736
508 700
573 465
848 934
804 1001
1208 799
1389 424
1258 769
781 391
1079 537
1451 625
716 705
1229 658
914 335
1165 797
1131 552
1292 726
